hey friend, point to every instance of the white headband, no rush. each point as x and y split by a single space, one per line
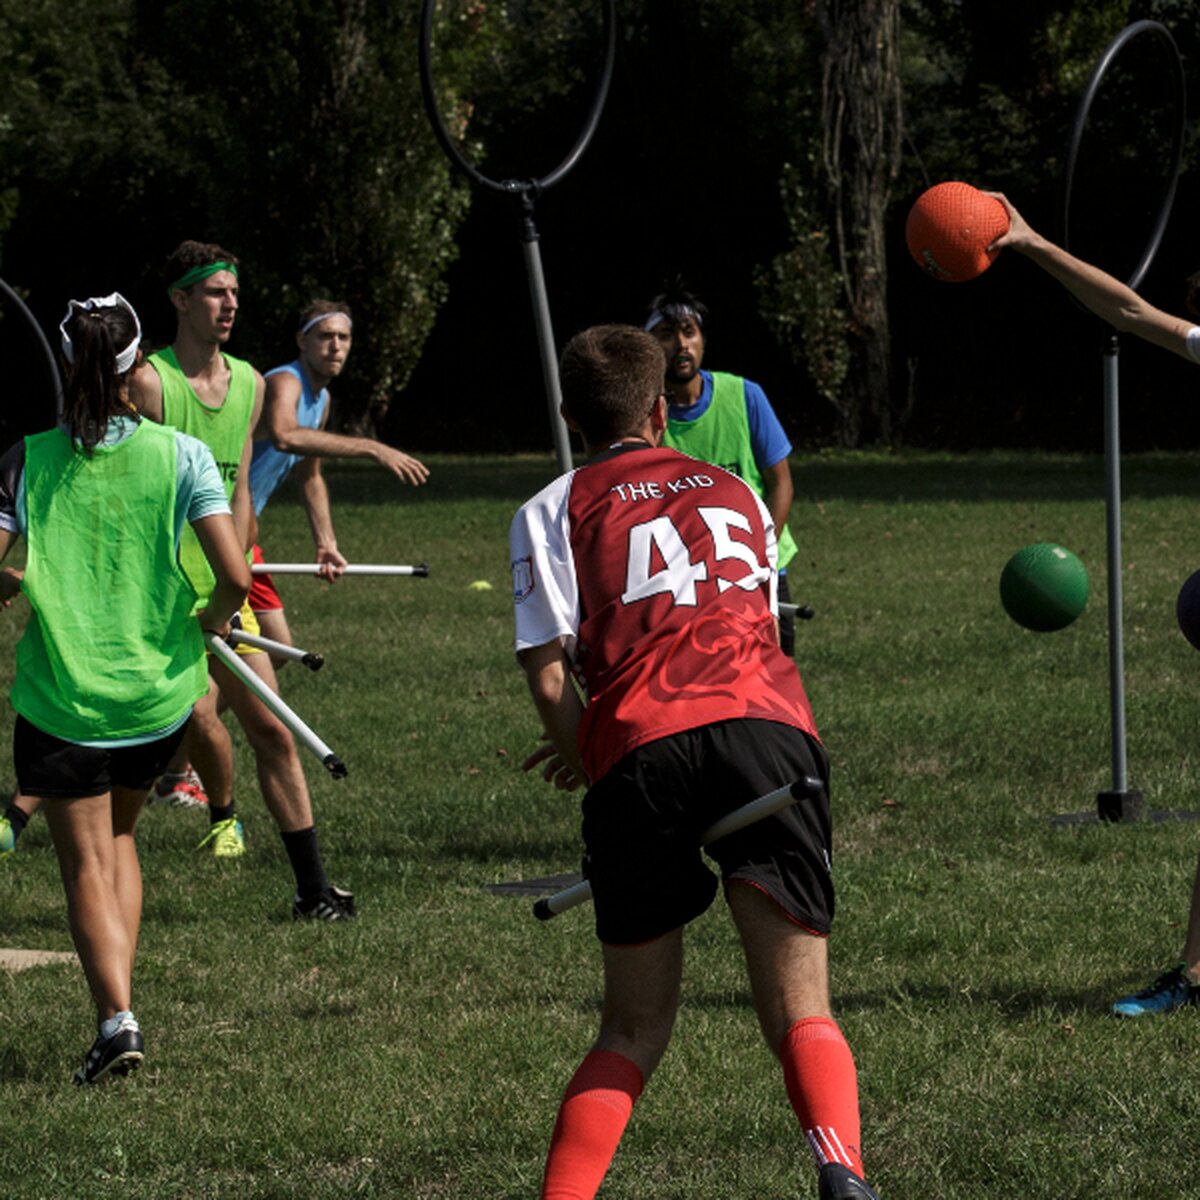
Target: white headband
324 317
672 312
125 357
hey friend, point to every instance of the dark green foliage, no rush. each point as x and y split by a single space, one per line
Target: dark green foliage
294 134
291 133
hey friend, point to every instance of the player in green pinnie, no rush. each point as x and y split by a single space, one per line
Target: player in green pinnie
112 659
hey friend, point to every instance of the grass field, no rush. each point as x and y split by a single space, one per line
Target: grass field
420 1051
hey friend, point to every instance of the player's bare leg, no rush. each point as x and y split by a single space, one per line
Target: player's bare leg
210 749
788 966
641 995
280 775
273 624
82 830
789 978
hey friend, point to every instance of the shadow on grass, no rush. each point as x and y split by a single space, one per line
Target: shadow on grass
1016 1005
499 849
1019 1005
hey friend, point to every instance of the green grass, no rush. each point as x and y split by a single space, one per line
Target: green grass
420 1052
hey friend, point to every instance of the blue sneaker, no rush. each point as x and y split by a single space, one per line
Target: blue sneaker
1171 990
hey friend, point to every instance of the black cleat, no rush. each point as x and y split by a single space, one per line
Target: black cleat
118 1055
333 904
841 1183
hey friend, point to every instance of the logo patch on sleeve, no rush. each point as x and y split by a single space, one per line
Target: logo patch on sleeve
522 573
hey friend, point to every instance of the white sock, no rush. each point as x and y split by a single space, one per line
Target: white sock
116 1022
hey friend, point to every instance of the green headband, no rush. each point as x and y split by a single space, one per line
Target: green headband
198 273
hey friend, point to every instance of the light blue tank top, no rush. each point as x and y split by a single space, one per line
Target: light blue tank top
269 467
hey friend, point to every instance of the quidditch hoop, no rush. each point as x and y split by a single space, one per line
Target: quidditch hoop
1160 32
511 187
55 379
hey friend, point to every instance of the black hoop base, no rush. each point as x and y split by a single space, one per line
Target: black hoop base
1119 808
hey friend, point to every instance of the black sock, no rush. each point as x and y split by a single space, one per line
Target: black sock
17 818
219 812
305 855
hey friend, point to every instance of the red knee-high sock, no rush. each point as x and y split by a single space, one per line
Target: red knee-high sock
595 1110
822 1085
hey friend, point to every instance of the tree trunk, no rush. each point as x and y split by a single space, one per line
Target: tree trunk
861 141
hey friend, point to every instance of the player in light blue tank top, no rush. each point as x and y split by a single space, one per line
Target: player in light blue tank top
270 466
292 436
201 281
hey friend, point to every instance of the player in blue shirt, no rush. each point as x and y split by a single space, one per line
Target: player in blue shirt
725 420
291 434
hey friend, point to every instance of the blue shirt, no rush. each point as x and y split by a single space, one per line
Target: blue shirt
768 441
270 467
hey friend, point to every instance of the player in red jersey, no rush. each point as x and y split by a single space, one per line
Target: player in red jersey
648 578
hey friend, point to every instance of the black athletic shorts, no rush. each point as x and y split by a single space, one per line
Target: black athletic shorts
47 766
787 625
643 821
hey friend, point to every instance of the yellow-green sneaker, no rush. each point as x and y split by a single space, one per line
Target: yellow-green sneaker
227 838
8 843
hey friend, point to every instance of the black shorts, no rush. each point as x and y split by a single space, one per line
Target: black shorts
787 625
49 767
643 821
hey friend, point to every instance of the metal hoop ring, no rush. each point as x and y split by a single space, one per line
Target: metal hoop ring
1098 72
511 186
55 379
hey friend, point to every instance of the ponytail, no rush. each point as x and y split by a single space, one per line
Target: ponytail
100 338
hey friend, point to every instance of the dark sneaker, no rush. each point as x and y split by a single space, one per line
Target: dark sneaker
118 1055
333 904
841 1183
1171 990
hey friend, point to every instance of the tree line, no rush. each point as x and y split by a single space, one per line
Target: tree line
768 151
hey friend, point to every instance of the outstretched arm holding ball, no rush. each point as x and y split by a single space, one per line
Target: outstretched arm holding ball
1096 290
1126 311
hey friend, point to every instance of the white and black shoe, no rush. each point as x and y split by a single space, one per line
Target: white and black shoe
333 904
841 1183
117 1055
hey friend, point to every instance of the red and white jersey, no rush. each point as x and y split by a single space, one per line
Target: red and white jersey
657 572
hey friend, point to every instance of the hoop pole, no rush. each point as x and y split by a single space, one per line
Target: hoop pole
525 193
1116 639
56 384
1122 803
545 336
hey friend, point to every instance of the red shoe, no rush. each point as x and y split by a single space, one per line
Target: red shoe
179 791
